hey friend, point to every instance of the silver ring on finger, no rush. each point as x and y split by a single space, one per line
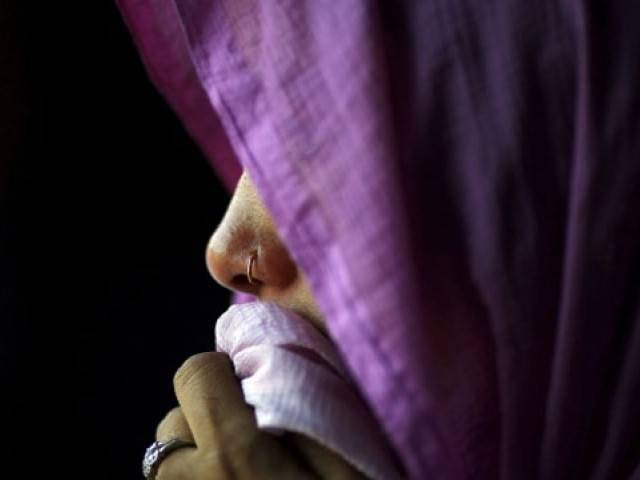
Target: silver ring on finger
157 452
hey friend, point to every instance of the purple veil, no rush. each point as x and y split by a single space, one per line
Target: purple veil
460 181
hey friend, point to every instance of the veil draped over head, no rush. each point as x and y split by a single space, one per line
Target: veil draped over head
460 182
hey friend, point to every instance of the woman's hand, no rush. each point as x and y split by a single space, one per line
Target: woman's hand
214 416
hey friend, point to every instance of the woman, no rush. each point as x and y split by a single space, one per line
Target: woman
245 255
457 182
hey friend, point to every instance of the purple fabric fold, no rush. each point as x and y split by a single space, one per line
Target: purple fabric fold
293 377
460 182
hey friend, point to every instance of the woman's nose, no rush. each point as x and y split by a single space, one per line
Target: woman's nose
245 252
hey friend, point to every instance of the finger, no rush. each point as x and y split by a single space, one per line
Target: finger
174 425
212 402
179 465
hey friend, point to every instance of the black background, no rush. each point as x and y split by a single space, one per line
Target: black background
106 207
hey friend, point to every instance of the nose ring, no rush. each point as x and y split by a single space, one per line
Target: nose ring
252 259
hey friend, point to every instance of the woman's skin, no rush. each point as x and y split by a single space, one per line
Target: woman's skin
247 227
212 412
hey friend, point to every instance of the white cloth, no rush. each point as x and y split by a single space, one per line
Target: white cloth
293 377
